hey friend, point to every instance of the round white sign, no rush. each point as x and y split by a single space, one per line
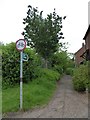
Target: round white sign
20 44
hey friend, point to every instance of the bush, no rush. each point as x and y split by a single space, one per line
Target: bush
46 73
58 68
11 65
69 71
46 77
31 68
80 78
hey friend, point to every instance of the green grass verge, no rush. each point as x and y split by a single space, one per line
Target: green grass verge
35 93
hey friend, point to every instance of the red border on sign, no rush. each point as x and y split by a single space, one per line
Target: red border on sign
24 46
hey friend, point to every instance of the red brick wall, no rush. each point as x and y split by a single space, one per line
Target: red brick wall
79 59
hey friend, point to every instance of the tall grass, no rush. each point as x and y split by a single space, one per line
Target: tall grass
35 93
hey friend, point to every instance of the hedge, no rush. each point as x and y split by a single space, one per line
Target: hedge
81 78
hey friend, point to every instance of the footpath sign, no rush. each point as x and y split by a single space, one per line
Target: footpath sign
20 46
25 57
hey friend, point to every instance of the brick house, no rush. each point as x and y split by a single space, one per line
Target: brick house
78 58
87 44
84 52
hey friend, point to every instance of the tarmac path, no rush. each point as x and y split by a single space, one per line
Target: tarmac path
66 103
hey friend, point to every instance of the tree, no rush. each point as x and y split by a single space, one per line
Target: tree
43 33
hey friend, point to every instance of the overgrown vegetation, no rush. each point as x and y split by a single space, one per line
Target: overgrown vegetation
80 78
39 83
11 65
69 71
45 51
36 93
61 62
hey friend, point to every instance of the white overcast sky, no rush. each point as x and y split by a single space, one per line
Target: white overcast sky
75 25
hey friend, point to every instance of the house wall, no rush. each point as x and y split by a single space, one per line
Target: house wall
79 59
87 41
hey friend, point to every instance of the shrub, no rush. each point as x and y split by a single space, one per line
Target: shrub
58 68
11 65
69 71
31 68
46 77
46 73
80 78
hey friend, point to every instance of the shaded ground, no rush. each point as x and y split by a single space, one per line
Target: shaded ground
66 103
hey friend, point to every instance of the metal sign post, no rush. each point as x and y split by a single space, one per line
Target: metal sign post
20 46
21 82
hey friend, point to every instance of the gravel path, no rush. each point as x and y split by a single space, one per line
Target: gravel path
66 103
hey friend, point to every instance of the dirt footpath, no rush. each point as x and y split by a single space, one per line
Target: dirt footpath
66 103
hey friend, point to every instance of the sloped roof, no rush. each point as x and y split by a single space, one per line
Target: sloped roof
88 30
79 50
